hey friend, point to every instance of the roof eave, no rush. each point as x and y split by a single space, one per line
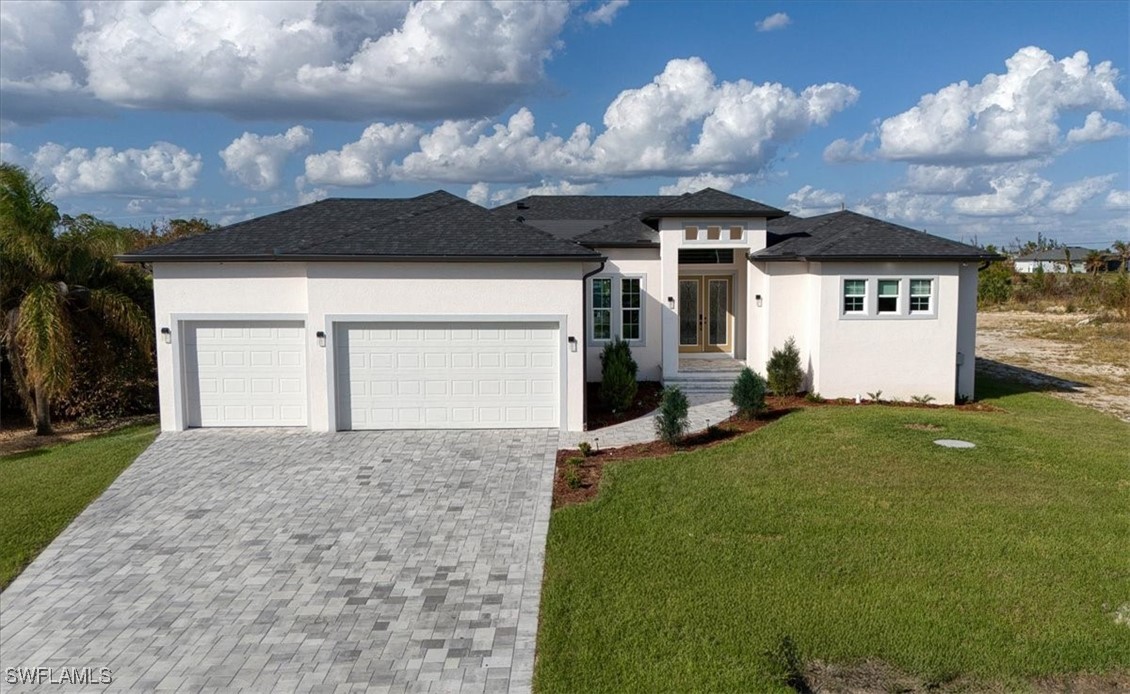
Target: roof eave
874 258
579 258
659 214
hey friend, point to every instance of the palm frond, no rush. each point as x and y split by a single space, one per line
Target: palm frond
43 339
123 315
27 218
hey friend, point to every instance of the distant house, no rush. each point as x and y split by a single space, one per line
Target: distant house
1054 260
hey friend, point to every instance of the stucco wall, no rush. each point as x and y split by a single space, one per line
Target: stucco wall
648 353
318 292
902 357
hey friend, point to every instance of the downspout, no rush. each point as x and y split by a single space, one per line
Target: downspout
585 345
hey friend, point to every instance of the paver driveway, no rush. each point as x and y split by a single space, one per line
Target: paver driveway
283 560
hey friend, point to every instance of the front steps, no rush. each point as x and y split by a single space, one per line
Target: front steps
706 377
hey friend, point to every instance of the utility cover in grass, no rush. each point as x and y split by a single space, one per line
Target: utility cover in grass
954 443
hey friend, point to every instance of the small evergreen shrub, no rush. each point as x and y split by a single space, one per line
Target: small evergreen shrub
813 397
748 393
671 422
617 376
585 448
572 477
783 369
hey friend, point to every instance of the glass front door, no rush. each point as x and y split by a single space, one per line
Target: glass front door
705 314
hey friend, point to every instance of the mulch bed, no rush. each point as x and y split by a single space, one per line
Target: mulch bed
590 469
647 399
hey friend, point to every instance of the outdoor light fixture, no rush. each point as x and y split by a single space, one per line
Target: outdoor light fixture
758 297
166 335
671 303
572 344
321 338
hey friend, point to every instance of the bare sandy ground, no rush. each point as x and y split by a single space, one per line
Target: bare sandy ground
1079 364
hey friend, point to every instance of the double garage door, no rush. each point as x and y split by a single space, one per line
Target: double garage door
388 375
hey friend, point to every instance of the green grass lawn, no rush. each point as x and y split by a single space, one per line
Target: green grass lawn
42 491
857 539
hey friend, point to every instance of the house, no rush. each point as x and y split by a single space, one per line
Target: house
433 312
1054 260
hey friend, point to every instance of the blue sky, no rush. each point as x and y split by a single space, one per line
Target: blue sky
986 121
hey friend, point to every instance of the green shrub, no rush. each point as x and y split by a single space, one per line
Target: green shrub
922 399
783 369
994 285
585 448
671 422
572 476
748 393
617 376
813 397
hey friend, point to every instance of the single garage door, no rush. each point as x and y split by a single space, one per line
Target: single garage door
245 373
448 375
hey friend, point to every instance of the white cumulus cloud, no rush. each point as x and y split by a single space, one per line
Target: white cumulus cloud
480 193
1070 198
161 169
778 20
1005 117
606 12
1013 193
1096 129
345 60
1118 200
809 201
845 151
257 161
691 184
365 161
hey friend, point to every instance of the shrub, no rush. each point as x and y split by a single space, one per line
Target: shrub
572 476
994 286
617 376
585 448
671 422
783 369
813 397
922 399
876 396
748 393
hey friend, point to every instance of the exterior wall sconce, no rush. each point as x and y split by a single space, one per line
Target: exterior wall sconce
167 335
671 303
572 344
758 298
321 335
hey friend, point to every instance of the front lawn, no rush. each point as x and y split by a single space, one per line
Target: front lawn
41 491
843 537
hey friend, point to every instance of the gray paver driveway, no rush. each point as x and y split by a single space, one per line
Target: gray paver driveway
287 560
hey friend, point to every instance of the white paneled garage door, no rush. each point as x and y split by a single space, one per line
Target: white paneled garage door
448 375
245 373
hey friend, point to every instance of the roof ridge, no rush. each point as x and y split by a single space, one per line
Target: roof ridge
378 223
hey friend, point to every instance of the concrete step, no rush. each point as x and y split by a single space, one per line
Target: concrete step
699 385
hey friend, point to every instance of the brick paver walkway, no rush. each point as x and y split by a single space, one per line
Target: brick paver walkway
285 560
704 410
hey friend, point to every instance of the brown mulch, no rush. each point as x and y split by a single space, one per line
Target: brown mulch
647 399
18 435
589 470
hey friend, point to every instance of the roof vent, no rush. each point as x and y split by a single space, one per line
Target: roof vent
523 206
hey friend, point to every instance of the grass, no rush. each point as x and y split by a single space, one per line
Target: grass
840 535
43 490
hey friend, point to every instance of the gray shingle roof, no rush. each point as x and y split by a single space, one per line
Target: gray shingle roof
713 203
438 226
852 236
1078 253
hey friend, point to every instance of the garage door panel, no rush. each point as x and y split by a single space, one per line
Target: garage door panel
245 373
447 375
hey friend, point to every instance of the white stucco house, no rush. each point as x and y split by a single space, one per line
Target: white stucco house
1054 260
433 312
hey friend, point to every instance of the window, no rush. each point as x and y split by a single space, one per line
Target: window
690 234
630 308
706 256
735 233
888 296
855 291
921 292
713 233
602 308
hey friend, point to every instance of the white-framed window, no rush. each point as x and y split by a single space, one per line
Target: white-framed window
888 296
601 295
855 296
631 308
921 295
616 305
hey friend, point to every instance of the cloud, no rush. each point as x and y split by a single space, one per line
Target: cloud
906 207
256 161
1005 117
948 179
843 151
1096 129
1071 198
480 194
691 184
809 201
365 161
773 22
161 169
1118 200
606 12
1013 193
683 123
340 60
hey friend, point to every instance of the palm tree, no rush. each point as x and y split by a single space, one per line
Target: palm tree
1096 262
54 284
1122 248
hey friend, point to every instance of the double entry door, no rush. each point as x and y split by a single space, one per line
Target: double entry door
706 313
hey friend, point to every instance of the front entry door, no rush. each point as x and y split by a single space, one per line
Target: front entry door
705 314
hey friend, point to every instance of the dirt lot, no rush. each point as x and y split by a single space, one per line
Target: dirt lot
1076 356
